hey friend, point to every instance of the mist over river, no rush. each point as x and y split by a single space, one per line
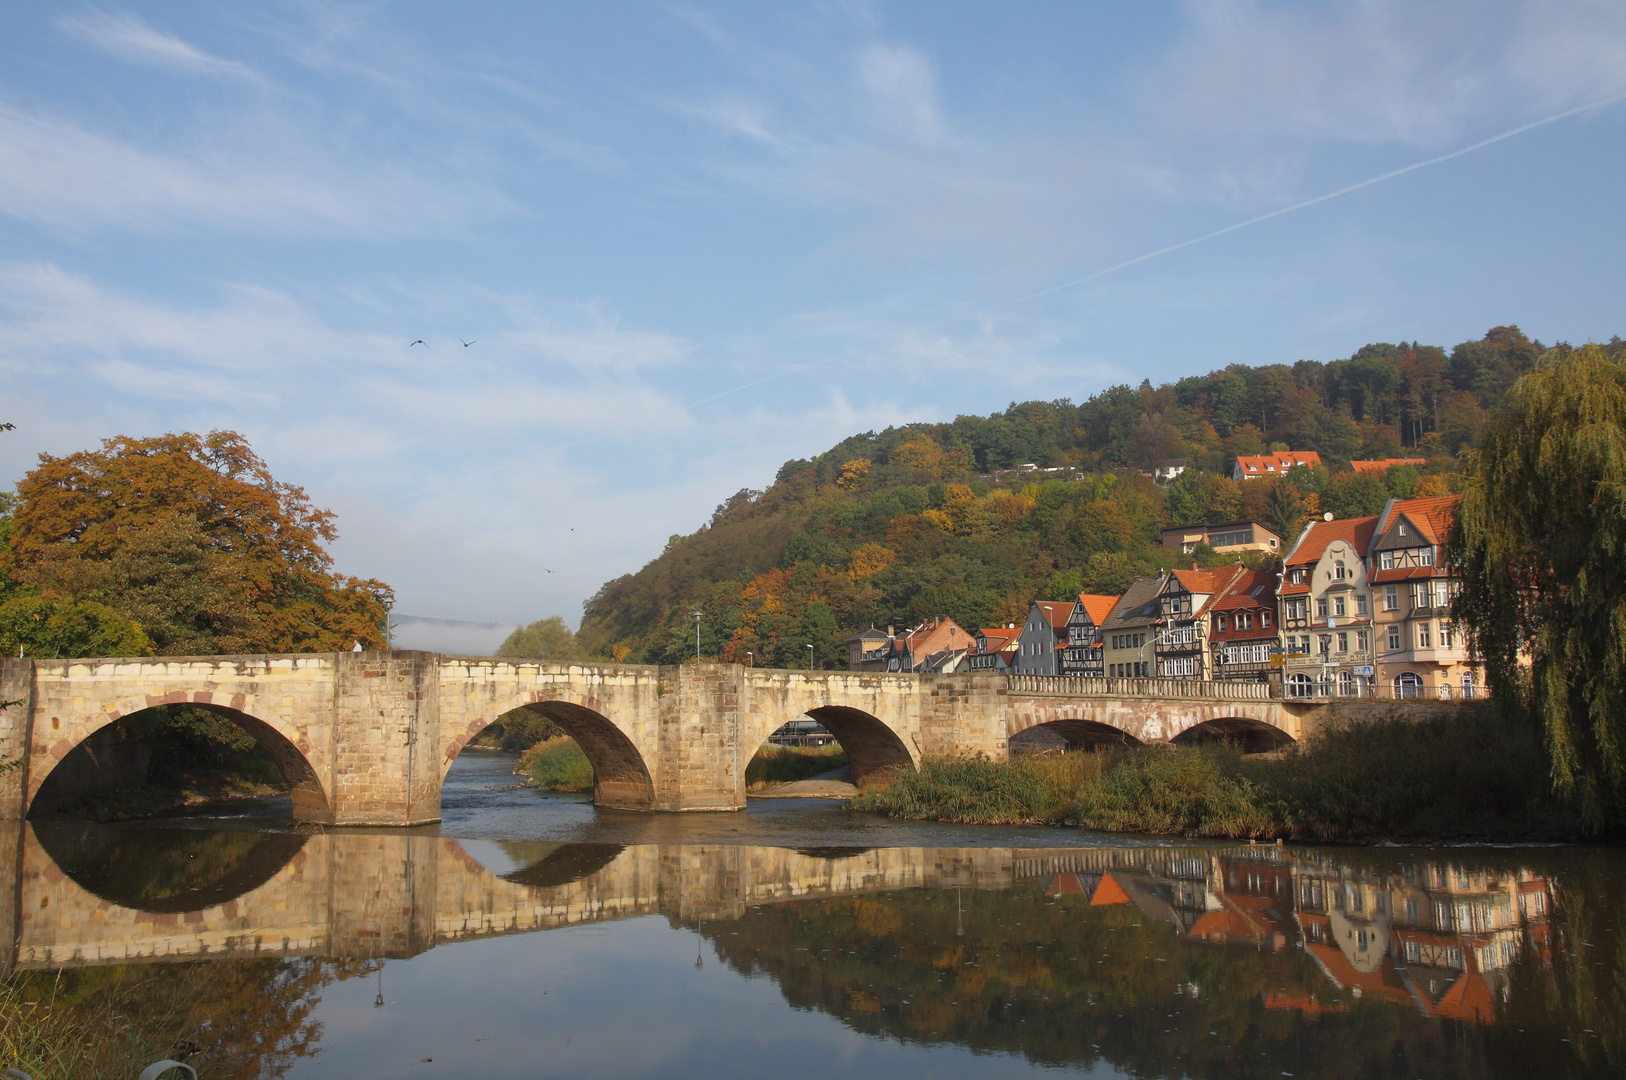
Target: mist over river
530 935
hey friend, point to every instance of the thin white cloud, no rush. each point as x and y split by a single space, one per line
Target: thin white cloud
56 172
901 90
1384 70
128 38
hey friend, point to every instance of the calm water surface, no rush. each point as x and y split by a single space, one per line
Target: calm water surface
531 935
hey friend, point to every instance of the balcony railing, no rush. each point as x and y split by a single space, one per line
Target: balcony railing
1086 686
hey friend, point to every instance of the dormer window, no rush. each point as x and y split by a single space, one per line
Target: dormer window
1219 623
1298 577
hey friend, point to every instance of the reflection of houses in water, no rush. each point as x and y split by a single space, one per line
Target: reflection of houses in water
1434 935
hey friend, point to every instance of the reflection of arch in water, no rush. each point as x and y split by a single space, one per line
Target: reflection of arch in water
620 777
165 871
1253 736
872 748
52 780
1079 734
565 865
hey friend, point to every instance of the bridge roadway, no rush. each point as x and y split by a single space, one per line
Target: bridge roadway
366 738
371 893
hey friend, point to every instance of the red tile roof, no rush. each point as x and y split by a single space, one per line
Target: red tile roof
1275 464
1098 606
1358 531
1432 516
1379 465
1056 613
1250 589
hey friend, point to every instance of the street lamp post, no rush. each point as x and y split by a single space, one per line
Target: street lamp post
697 616
810 658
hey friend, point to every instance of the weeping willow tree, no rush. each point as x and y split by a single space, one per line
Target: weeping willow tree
1541 543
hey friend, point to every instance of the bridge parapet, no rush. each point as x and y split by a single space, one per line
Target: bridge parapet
1163 689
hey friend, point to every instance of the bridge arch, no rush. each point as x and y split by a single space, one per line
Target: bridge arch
290 750
1079 734
873 747
1254 736
621 778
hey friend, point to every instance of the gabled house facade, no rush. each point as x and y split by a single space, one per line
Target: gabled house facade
1254 466
1043 637
995 649
1181 643
1083 653
1244 631
1326 611
1421 652
936 645
1127 635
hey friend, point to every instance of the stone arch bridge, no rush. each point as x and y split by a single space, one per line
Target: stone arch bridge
366 738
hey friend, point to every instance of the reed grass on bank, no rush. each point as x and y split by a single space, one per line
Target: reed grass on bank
557 764
787 764
1475 775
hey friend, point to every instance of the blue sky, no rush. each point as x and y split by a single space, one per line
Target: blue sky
692 242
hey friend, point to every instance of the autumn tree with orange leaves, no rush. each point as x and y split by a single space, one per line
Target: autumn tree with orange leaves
193 538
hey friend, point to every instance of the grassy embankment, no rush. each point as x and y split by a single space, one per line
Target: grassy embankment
1474 775
558 764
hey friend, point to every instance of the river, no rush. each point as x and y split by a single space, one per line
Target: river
532 935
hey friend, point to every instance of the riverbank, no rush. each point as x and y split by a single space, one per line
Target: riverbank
1477 777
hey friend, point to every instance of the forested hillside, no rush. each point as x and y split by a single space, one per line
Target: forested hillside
944 518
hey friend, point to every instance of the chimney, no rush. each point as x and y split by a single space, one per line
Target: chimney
889 630
1194 566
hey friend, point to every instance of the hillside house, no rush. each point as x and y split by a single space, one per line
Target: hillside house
1421 652
1083 653
1254 466
1243 633
1043 636
1326 611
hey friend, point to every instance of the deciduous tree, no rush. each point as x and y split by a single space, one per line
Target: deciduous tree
1541 540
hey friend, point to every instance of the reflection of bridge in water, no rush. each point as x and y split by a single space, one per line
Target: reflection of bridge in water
1436 935
377 894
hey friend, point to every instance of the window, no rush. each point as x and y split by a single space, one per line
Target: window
1391 598
1264 620
1425 556
1386 560
1400 530
1295 609
1360 603
1244 621
1408 684
1219 623
1360 640
1422 635
1420 594
1321 608
1394 638
1346 683
1447 635
1300 686
1442 594
1343 643
1325 643
1411 916
1338 606
1297 577
1339 573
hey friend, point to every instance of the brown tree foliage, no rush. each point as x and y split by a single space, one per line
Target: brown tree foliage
193 537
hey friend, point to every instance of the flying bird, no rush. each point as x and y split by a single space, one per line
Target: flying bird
422 342
466 344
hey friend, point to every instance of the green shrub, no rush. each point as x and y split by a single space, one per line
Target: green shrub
787 764
557 764
1022 790
1191 792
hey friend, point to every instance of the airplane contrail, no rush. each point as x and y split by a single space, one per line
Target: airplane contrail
1380 178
